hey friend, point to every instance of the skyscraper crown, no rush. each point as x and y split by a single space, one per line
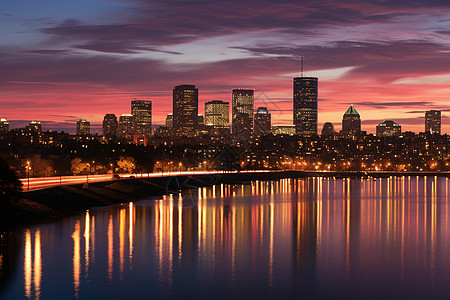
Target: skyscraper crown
351 111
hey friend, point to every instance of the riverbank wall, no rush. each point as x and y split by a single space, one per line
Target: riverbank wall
65 200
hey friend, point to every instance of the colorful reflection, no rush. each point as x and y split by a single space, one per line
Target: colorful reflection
32 265
296 234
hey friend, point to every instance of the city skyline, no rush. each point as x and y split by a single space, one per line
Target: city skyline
429 116
60 57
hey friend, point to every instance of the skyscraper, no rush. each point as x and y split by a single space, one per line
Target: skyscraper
83 127
4 126
217 116
388 128
185 110
200 120
328 129
34 126
305 105
142 112
433 121
169 121
351 123
263 123
126 126
110 126
242 113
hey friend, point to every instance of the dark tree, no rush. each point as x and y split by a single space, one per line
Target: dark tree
10 185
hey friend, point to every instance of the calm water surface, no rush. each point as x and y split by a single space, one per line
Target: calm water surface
307 238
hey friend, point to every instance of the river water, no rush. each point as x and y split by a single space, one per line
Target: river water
311 238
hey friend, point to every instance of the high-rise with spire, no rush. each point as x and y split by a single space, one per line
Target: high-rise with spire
305 104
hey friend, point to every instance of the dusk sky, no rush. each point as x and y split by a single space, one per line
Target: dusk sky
62 60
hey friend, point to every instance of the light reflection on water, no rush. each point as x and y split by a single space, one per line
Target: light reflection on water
310 237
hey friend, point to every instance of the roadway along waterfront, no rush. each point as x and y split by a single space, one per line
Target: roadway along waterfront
32 184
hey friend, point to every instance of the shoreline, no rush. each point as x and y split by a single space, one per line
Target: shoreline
62 201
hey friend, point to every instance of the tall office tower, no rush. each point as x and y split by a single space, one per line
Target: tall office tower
126 128
142 112
110 126
433 121
242 113
200 120
328 129
351 123
217 116
169 121
263 123
83 127
34 126
305 105
185 110
389 128
4 126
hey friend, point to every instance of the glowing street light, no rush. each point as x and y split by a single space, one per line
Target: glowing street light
28 169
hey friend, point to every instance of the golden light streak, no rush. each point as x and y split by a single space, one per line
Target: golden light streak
164 238
110 247
319 214
131 232
347 232
271 239
37 264
27 264
180 227
76 258
233 243
92 239
170 233
87 229
122 222
433 228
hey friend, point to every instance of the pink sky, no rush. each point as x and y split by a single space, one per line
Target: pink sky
59 63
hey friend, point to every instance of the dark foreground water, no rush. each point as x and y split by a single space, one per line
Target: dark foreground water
307 238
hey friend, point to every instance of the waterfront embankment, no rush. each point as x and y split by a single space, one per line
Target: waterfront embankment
64 200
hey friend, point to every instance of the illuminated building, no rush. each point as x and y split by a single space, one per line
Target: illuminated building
242 113
163 132
283 129
34 126
217 116
4 126
262 122
200 120
126 126
389 129
351 123
83 127
185 110
169 121
433 121
142 112
110 126
305 105
328 129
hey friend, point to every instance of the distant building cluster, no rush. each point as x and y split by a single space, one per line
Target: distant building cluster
186 122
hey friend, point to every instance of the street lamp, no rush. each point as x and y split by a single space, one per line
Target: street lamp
87 173
28 168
